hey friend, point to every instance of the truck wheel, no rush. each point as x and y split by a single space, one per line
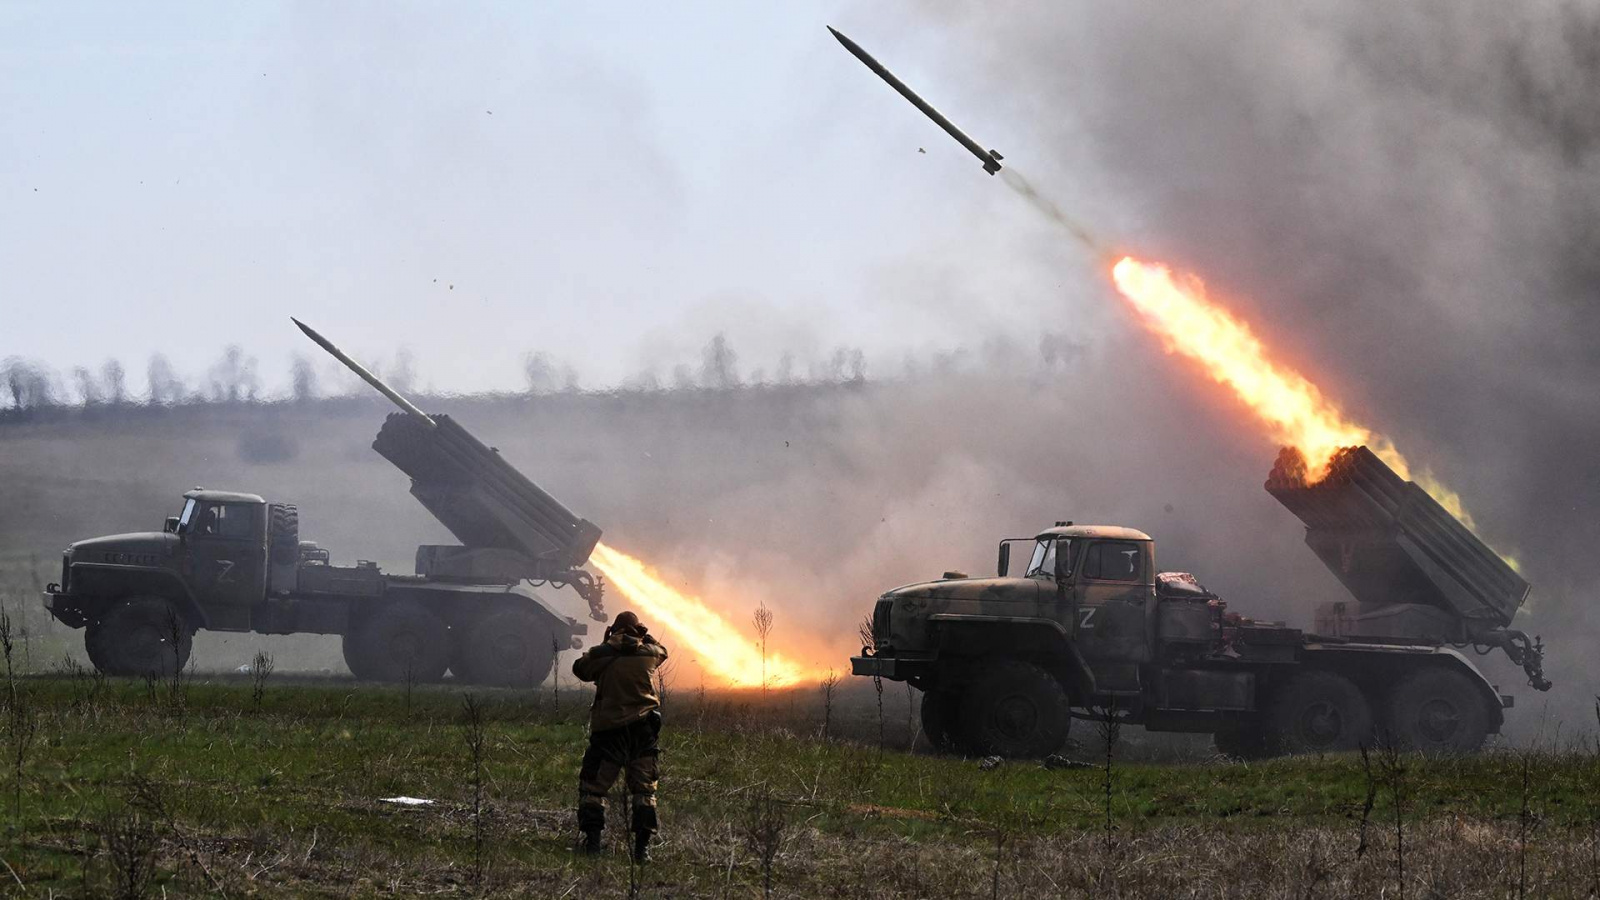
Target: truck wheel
506 647
1438 711
941 709
135 637
400 642
1319 712
1244 740
1015 709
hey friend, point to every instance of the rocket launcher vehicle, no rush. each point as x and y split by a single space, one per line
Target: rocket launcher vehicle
1416 571
510 529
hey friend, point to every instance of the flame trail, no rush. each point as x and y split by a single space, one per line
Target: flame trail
721 650
1293 408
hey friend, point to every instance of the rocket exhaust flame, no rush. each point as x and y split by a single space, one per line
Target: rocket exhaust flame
719 648
1294 410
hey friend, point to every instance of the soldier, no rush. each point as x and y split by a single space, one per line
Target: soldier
624 723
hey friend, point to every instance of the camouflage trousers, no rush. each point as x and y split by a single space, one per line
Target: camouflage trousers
630 749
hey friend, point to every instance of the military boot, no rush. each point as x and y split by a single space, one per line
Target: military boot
591 842
641 847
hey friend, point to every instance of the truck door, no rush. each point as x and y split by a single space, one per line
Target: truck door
1113 591
226 549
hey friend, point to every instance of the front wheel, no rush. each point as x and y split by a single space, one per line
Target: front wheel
139 636
941 711
1015 709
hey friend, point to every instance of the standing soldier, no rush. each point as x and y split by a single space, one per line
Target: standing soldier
624 723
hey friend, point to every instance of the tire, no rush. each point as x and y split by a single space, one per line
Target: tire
1439 712
509 647
398 642
135 637
941 711
1017 710
1319 712
283 531
1243 740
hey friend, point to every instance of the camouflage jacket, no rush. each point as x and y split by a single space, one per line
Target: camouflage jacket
622 670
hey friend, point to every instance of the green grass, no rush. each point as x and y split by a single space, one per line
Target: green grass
284 799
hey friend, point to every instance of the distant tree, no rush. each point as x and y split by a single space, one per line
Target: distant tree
302 379
539 370
719 366
232 378
88 388
165 387
28 383
785 368
569 378
847 364
115 382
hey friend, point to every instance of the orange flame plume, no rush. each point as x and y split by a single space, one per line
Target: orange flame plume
1295 411
720 649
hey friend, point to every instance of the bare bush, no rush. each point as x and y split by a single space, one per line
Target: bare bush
472 732
763 623
260 671
130 843
829 685
765 822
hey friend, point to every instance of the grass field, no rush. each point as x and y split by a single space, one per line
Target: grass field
222 786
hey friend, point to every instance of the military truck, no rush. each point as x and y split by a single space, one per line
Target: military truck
234 562
1091 628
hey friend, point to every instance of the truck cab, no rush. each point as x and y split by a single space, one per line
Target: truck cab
222 558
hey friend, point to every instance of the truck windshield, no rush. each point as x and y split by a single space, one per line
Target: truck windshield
187 515
1045 553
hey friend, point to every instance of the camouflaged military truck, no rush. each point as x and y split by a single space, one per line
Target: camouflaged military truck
1090 626
233 562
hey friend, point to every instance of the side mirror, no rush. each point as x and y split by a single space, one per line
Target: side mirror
1005 559
171 527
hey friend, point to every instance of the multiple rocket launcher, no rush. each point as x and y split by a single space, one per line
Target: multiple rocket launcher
510 529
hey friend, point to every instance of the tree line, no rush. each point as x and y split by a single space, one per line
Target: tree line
234 378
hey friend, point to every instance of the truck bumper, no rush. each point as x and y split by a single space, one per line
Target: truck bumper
894 668
64 609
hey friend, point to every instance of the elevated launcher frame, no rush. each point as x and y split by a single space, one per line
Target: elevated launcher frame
1415 571
510 529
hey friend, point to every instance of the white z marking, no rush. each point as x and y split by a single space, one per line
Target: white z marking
1085 615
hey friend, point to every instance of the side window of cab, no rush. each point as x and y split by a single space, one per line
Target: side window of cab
1113 561
223 520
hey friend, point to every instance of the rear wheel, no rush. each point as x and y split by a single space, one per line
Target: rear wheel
399 642
139 636
941 709
1438 711
1015 709
1319 712
507 647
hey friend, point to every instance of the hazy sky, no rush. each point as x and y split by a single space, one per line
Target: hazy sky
609 186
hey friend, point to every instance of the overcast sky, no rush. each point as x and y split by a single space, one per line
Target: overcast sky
609 186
